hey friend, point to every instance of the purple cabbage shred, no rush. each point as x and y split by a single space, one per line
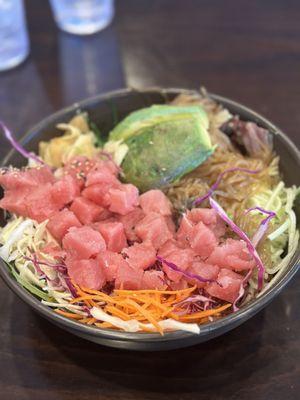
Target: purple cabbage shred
199 200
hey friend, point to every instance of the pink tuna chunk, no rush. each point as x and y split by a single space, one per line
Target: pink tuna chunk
153 280
54 250
210 218
65 190
83 242
179 285
182 258
85 210
102 176
169 247
107 165
129 222
156 201
202 240
113 233
229 285
39 203
99 194
86 273
154 228
15 201
60 223
129 278
78 167
110 262
140 255
232 254
124 199
206 271
26 178
185 231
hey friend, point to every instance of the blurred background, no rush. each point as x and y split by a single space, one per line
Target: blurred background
246 50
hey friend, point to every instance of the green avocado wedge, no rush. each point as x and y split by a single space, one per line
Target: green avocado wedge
164 143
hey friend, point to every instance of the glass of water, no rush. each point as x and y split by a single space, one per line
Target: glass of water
14 44
82 17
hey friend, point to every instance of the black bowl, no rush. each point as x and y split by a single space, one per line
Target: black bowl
102 110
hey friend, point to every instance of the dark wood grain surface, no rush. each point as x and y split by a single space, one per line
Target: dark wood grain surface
246 50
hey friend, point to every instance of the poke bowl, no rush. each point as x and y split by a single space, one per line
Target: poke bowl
106 113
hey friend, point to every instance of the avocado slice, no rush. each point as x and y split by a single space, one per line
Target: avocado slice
164 143
145 117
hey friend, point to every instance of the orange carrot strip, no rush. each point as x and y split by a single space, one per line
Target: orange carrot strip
161 292
68 314
105 325
91 321
206 313
118 313
146 314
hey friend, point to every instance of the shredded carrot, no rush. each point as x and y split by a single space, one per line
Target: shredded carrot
146 314
68 314
155 291
118 313
145 306
202 314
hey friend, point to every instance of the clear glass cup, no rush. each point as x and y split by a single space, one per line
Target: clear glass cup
14 43
82 17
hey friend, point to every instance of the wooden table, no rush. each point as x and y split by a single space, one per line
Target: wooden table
245 50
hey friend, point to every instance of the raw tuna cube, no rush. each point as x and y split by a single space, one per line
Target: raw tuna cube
60 222
14 201
129 278
26 178
204 270
78 167
179 285
108 165
171 224
39 203
153 280
54 250
110 262
140 255
129 222
107 216
185 231
229 285
206 215
202 240
182 258
156 201
232 254
210 218
83 242
98 194
113 233
154 228
124 199
86 273
65 190
85 210
101 176
168 247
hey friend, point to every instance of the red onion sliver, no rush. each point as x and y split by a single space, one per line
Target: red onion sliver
199 200
241 290
263 227
186 274
17 146
261 269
